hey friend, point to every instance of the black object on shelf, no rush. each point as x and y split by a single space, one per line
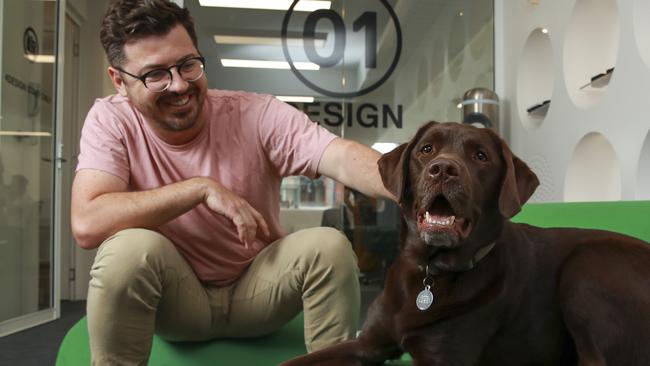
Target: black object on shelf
539 109
600 80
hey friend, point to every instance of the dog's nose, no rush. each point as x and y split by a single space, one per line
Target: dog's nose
443 170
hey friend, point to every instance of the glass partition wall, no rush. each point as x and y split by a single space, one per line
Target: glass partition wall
369 70
28 33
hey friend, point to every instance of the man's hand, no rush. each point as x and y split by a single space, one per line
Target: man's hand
247 219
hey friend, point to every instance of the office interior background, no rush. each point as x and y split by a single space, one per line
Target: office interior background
572 80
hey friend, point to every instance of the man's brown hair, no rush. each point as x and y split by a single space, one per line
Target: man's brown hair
128 20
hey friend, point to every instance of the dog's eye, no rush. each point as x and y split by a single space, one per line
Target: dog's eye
427 149
481 156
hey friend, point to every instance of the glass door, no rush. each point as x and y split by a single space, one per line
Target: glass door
28 35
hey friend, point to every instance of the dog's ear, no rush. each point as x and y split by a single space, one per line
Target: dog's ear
394 170
519 183
394 165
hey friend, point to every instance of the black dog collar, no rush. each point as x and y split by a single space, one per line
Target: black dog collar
425 298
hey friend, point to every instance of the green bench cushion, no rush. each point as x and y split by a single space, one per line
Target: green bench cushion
269 350
627 217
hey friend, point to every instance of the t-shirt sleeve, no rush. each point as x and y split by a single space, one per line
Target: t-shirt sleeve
102 145
293 143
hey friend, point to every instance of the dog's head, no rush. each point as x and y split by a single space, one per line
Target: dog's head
456 184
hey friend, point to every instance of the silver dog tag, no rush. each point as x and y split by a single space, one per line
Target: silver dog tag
424 299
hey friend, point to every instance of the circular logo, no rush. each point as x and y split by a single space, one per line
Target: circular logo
30 43
364 29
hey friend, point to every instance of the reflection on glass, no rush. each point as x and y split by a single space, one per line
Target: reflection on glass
302 192
26 174
373 228
441 49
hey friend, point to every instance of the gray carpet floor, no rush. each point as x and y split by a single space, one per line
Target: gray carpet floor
38 346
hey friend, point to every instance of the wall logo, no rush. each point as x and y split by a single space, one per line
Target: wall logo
30 44
356 58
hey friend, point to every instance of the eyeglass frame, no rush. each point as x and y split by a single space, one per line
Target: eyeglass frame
169 71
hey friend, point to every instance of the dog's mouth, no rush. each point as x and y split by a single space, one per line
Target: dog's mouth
440 225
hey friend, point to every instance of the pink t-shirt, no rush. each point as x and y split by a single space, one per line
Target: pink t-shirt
250 142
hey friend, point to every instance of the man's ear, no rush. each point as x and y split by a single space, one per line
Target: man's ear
118 81
519 183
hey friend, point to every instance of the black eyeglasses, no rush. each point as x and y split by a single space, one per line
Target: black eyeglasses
158 80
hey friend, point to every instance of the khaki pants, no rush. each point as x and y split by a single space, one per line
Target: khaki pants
140 285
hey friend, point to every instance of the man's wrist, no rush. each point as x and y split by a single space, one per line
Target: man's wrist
200 186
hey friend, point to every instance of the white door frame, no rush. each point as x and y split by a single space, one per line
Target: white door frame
75 261
67 154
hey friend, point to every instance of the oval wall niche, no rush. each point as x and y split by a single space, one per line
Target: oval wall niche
590 50
642 28
594 172
643 172
535 79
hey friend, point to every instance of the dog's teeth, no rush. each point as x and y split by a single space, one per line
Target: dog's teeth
443 221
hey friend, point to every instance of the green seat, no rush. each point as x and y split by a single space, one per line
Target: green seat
269 350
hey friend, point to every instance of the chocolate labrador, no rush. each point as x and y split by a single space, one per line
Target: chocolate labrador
472 288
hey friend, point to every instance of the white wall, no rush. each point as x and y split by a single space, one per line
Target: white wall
593 143
94 82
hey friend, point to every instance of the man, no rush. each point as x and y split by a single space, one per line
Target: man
179 186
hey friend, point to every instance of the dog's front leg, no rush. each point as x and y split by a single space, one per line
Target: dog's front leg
350 353
375 345
364 351
459 342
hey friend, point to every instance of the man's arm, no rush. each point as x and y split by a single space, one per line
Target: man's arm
354 165
101 206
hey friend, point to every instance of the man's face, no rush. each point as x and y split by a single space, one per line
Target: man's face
179 107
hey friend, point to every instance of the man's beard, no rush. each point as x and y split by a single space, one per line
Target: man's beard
183 121
180 123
